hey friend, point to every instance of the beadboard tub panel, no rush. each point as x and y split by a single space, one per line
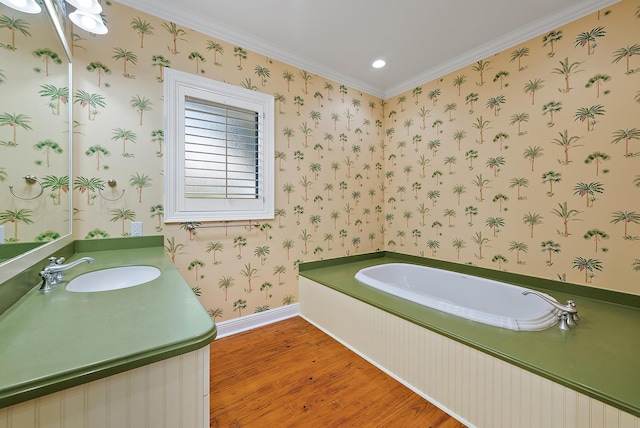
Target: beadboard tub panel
170 393
474 387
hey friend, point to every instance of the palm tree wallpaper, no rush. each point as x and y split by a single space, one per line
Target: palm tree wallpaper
34 97
526 161
329 159
536 169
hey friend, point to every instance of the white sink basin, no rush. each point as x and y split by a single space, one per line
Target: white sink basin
113 279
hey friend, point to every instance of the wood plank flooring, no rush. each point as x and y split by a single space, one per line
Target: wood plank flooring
291 374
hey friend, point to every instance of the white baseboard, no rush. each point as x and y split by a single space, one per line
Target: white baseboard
248 322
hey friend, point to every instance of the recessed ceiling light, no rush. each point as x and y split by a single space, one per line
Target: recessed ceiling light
378 63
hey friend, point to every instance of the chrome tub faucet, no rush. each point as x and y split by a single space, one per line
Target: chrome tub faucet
568 313
53 273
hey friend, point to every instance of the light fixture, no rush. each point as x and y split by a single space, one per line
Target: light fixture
87 6
91 22
87 16
379 63
26 6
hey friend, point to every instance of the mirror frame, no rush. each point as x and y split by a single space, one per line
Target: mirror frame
12 267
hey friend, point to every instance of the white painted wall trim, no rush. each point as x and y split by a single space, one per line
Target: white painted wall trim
503 42
248 322
208 25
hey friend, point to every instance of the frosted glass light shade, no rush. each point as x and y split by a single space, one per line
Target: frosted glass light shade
26 6
88 6
90 22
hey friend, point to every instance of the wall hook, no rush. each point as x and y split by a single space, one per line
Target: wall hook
112 183
30 179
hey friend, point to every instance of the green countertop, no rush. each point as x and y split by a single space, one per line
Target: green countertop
59 339
599 358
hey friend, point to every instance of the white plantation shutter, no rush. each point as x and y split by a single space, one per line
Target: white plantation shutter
222 157
219 157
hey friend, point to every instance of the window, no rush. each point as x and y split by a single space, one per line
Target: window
219 163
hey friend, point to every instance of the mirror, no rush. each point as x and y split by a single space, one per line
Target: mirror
35 138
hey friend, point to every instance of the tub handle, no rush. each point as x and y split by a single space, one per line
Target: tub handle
568 313
564 321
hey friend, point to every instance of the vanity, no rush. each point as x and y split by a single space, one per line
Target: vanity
136 356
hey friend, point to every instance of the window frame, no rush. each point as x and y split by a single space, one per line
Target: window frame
177 207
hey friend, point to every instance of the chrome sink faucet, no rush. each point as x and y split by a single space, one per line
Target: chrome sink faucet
53 273
568 313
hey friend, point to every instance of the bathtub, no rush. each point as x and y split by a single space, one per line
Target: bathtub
477 299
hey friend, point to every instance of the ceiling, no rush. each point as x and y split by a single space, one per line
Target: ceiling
339 39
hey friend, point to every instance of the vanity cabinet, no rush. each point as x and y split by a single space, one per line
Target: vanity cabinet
135 357
171 393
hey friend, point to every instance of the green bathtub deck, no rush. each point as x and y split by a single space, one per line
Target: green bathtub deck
599 358
59 339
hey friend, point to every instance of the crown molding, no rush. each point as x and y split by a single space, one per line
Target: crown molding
506 41
213 28
219 30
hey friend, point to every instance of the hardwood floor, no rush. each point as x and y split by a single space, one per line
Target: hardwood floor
291 374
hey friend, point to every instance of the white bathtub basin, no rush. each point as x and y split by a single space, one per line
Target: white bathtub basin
113 279
477 299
